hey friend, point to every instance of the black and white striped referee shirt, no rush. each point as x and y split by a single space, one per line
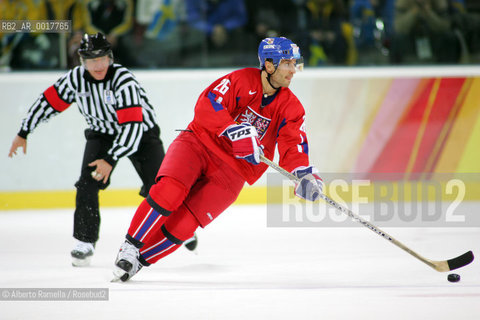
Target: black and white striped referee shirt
116 105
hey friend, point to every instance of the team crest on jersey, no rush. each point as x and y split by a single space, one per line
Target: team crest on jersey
108 97
259 122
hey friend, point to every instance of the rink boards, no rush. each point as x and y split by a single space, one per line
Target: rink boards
418 123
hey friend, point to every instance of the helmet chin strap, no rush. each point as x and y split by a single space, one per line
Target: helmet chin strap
268 78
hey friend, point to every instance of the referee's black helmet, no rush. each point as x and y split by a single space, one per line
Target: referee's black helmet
94 46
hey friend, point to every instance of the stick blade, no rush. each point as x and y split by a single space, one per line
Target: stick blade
460 261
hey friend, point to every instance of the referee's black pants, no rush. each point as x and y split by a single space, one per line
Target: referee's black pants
147 161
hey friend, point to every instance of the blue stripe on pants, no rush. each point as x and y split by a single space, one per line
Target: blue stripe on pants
166 244
151 219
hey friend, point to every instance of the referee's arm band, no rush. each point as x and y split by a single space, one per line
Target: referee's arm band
130 114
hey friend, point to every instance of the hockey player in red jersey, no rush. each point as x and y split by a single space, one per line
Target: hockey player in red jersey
238 117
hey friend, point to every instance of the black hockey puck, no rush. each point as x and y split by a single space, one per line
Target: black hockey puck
453 277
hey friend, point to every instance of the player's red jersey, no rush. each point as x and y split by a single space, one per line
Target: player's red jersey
237 98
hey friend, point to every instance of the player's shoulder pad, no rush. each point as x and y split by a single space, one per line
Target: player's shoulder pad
290 98
290 105
246 78
249 73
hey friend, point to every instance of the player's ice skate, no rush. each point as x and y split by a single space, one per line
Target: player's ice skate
191 244
82 253
126 264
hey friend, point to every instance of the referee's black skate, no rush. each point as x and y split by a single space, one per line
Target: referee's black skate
127 263
82 253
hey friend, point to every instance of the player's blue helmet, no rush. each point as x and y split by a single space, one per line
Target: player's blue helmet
278 48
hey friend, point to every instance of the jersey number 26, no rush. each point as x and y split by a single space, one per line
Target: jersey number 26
223 86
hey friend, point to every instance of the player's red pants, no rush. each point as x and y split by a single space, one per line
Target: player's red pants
193 187
160 235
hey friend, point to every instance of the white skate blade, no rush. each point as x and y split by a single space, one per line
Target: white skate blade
194 251
117 274
81 262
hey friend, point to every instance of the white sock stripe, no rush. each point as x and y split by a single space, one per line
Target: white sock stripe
141 224
155 245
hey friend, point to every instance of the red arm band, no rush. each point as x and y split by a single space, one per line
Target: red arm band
54 99
130 114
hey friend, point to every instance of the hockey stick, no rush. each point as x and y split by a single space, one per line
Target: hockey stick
441 266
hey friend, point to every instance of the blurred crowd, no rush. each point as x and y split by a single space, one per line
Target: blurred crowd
221 33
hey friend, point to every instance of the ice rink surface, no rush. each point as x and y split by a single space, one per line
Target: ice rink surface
243 270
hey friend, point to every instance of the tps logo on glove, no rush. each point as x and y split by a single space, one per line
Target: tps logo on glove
245 142
240 134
